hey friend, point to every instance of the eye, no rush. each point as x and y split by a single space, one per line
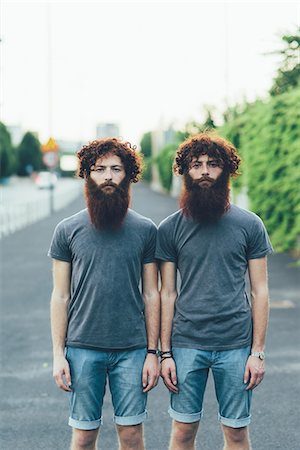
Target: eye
117 169
213 164
196 165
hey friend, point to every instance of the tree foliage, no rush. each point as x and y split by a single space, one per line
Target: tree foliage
288 75
7 153
29 154
194 127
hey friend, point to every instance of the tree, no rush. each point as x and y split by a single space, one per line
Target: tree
7 154
194 127
164 161
146 145
29 155
146 150
288 74
209 123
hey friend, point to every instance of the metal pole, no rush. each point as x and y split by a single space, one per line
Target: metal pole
49 17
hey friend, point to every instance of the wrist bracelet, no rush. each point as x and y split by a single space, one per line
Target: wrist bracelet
152 351
167 352
165 357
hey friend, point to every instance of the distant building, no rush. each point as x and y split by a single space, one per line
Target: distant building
104 130
68 147
169 135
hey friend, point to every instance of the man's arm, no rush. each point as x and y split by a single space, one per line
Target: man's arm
168 271
151 298
59 322
255 368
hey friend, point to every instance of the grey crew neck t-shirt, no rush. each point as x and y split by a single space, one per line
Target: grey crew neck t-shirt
106 309
212 311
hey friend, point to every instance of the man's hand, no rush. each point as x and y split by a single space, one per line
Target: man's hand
150 375
61 373
254 372
168 373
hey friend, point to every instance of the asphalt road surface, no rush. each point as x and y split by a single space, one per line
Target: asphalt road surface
34 412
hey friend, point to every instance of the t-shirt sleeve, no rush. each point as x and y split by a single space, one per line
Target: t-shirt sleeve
165 248
259 242
149 252
59 247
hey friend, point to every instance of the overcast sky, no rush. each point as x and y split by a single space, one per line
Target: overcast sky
67 65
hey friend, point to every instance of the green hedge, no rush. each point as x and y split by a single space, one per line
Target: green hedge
267 136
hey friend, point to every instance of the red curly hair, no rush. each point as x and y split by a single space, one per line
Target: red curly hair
132 160
207 143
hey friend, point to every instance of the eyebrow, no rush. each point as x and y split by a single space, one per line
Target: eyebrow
210 158
103 165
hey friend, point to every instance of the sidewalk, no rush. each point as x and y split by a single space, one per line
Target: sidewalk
34 412
22 203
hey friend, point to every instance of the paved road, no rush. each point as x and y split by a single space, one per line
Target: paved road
34 412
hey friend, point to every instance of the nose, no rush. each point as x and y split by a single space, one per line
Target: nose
205 169
108 175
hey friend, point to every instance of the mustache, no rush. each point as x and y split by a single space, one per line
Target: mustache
108 183
204 178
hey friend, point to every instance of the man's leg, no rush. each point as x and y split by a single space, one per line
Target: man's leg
128 398
234 400
183 435
131 437
236 438
88 370
186 406
84 439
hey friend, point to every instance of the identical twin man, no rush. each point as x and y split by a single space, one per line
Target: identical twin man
105 327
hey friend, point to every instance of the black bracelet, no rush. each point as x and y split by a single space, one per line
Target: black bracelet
168 352
165 357
152 351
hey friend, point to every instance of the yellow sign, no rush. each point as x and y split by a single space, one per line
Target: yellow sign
51 146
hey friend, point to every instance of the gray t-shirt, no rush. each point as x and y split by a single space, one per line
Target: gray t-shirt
212 311
106 309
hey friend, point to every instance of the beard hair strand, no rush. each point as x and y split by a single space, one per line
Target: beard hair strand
107 210
205 204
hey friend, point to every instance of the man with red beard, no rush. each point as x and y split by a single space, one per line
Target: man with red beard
102 325
210 324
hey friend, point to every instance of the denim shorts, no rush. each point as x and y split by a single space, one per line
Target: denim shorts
90 370
228 372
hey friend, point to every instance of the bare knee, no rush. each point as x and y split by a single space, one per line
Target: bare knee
183 434
84 439
236 436
131 437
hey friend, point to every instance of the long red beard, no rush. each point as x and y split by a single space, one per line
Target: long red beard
107 210
205 204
